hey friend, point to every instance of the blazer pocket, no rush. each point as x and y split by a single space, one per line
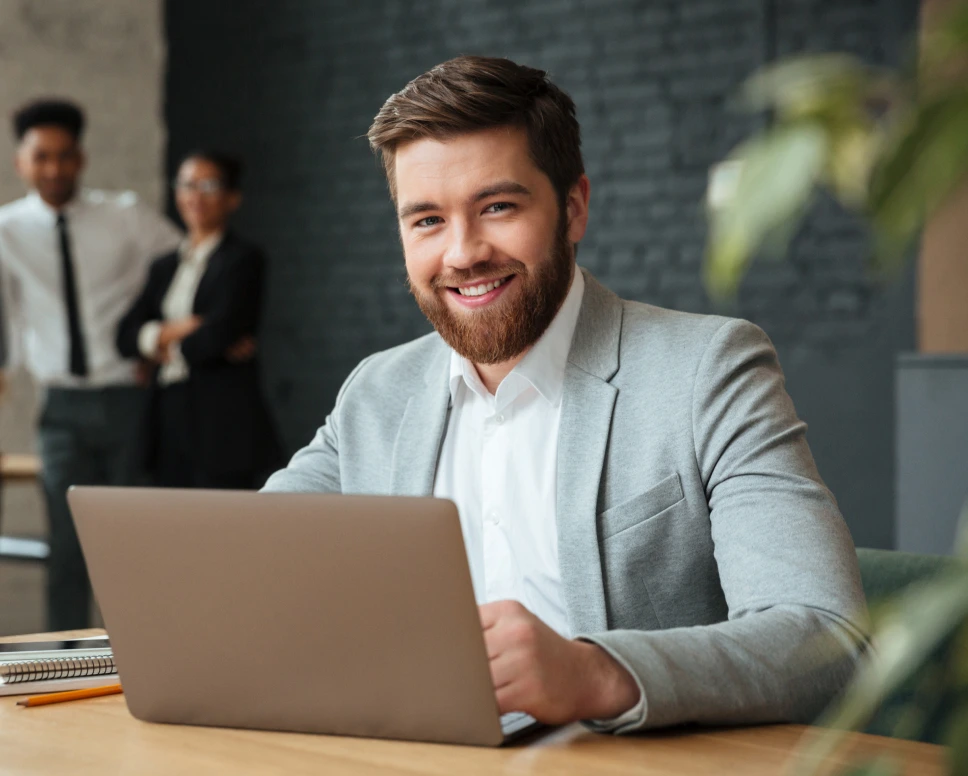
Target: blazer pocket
658 498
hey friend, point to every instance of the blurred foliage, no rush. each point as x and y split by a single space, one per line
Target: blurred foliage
910 630
891 146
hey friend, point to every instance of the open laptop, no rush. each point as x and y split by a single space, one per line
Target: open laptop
348 615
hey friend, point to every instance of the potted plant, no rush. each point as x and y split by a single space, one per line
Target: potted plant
892 147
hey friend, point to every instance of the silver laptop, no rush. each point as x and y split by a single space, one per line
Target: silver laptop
348 615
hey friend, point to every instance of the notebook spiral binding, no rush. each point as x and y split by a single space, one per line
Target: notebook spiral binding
57 668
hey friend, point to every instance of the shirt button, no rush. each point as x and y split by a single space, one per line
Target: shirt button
499 418
493 517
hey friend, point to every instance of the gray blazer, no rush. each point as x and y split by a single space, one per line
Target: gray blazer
697 542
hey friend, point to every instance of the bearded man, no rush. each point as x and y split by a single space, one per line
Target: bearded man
648 537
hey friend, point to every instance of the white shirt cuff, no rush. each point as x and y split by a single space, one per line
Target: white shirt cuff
177 360
616 724
628 720
148 336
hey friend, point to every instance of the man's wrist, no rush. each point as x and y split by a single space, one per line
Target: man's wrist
608 689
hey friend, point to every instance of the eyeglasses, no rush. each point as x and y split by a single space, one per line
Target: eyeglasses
204 186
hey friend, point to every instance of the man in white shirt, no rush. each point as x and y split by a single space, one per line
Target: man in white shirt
71 262
649 540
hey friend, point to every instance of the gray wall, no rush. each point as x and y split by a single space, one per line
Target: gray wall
932 436
293 87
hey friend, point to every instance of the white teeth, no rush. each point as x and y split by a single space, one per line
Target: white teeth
481 289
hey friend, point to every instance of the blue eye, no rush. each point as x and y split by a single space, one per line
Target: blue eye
498 207
429 221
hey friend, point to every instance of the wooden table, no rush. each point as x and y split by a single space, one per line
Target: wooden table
98 736
19 467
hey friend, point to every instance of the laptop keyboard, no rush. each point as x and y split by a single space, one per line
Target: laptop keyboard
516 721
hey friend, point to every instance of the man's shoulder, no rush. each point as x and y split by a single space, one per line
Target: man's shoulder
678 338
400 370
640 317
13 210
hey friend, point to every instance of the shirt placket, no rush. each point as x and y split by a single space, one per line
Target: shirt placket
495 460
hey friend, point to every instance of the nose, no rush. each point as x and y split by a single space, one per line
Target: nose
466 247
53 169
190 198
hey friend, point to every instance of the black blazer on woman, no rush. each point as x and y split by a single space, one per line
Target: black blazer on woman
231 426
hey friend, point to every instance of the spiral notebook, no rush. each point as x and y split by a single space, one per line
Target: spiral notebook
53 666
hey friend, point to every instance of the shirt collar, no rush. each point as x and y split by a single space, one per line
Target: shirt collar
543 367
69 210
200 253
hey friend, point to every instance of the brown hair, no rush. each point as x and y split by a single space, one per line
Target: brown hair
468 94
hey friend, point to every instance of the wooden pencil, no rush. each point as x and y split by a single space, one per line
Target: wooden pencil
70 695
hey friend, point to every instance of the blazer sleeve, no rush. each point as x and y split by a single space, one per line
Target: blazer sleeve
144 309
316 467
797 619
235 312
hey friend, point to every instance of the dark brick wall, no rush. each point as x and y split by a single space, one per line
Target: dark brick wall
293 86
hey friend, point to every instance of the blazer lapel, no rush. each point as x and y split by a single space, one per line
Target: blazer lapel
208 281
588 401
417 446
166 276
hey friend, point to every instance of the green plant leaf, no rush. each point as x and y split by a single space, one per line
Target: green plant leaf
945 42
777 175
957 739
808 85
920 619
913 626
880 766
959 661
854 148
921 166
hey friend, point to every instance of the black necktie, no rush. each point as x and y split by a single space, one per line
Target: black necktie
78 359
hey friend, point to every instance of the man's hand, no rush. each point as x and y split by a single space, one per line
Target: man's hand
241 351
176 331
555 680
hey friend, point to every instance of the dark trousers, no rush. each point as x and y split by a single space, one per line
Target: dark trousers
179 465
87 437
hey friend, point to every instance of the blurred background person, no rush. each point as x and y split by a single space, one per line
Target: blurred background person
195 322
71 262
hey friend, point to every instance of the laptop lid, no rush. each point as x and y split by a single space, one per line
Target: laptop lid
317 613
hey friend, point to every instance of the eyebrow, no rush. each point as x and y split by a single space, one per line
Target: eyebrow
502 187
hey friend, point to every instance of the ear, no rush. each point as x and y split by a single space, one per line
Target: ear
576 207
234 201
17 165
81 159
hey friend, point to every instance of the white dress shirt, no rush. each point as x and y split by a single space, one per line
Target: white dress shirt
113 240
178 303
499 464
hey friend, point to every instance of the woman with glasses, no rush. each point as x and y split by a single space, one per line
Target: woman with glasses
194 325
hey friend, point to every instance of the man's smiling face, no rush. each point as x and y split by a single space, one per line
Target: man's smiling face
489 252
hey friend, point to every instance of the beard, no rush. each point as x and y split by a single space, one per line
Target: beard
506 328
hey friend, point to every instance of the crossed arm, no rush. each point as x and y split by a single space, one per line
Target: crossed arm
171 334
220 334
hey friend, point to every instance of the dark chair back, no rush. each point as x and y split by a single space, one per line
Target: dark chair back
920 709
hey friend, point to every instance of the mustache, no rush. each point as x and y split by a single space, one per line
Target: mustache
480 273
